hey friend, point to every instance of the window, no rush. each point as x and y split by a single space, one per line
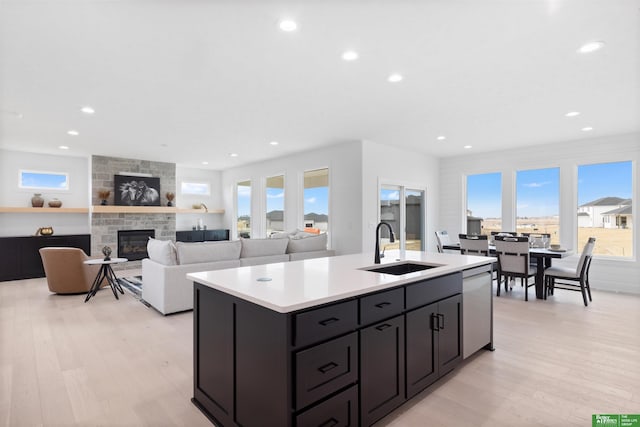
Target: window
43 180
275 204
604 208
484 203
316 200
195 188
538 202
403 209
243 194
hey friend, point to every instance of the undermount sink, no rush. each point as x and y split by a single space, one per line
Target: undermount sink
402 268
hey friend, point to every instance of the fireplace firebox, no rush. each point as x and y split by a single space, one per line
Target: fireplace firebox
132 244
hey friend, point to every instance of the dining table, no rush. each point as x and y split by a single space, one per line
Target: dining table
543 257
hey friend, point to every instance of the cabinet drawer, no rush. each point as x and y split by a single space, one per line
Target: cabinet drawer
325 322
326 368
339 411
431 290
381 305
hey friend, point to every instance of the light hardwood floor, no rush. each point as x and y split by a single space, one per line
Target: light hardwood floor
119 363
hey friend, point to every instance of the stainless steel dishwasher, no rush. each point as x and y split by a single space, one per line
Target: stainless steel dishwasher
477 310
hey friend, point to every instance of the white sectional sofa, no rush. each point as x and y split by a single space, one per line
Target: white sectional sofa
164 282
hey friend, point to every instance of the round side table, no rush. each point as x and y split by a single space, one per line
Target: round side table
105 272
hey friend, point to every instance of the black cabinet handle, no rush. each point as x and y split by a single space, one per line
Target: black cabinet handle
329 423
434 322
383 304
440 321
326 368
383 327
328 321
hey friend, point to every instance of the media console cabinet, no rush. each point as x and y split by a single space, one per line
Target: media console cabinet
20 256
324 342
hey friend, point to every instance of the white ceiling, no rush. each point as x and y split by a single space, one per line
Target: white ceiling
188 81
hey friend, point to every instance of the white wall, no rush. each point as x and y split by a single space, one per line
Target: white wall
610 274
11 195
345 184
383 164
213 201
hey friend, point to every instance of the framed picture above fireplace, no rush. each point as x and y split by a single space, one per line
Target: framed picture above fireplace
136 190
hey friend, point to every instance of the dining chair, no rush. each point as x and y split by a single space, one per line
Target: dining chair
566 278
513 262
442 238
472 244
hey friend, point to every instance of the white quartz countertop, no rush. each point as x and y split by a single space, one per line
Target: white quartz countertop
289 286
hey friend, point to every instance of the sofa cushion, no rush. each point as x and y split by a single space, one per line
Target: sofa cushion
308 244
263 247
192 253
162 251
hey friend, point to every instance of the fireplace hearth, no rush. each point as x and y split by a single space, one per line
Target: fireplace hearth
132 244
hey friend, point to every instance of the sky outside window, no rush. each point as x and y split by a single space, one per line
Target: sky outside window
484 195
538 193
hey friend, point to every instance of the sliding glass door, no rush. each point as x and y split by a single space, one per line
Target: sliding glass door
404 209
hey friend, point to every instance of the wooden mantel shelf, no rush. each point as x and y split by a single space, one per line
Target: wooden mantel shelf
42 210
151 209
111 209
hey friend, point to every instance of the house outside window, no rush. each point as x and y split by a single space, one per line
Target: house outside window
605 208
316 201
274 193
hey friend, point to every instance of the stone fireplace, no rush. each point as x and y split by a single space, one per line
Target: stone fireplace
105 226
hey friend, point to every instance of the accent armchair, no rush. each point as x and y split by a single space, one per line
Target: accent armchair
65 270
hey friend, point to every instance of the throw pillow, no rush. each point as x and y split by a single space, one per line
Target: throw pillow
194 253
308 244
263 247
162 251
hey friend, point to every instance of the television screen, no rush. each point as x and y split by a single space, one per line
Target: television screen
136 190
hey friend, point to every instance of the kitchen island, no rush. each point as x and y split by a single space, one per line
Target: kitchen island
326 341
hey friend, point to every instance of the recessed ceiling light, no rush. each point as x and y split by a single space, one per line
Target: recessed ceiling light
467 146
73 132
205 163
233 154
350 55
441 138
587 129
572 114
274 143
395 78
591 47
87 110
63 147
288 25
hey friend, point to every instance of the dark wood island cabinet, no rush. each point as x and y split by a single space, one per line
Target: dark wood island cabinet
349 362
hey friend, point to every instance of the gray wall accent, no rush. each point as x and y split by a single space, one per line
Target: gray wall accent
105 226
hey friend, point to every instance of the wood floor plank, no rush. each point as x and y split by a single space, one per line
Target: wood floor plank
119 363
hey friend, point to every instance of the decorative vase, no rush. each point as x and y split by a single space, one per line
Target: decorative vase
106 251
103 202
44 231
55 203
170 197
37 201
